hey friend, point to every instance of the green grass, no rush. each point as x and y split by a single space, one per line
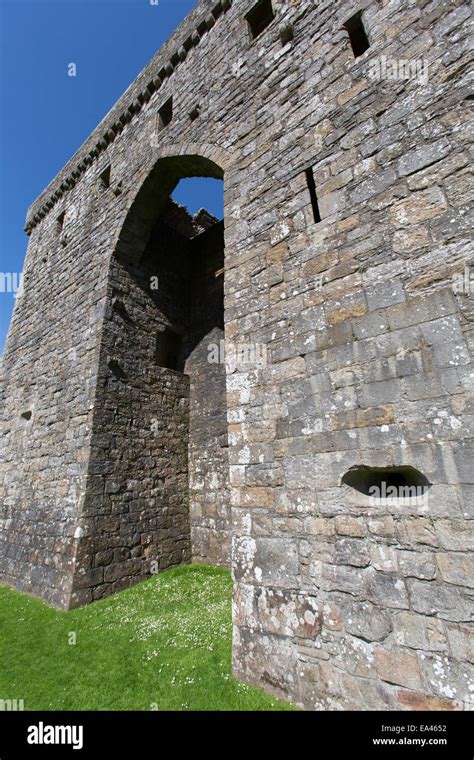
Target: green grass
164 644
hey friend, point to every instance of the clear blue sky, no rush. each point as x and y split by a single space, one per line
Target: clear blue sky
46 114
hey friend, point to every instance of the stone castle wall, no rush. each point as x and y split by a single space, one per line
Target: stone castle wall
341 600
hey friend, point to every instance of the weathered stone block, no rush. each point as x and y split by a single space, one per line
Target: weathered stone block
419 632
446 678
447 602
352 551
340 578
415 700
366 621
420 157
387 590
272 561
461 641
288 614
384 558
456 568
417 564
398 667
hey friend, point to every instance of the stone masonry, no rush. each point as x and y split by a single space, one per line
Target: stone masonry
340 131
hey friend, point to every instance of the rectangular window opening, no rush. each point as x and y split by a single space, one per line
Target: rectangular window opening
165 113
357 34
259 17
60 221
168 349
312 194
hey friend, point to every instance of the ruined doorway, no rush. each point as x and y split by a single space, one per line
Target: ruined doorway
202 332
160 432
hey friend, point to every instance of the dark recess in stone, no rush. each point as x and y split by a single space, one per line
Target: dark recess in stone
193 115
287 33
105 178
60 221
119 308
259 17
363 478
116 369
312 194
26 415
168 349
357 34
165 113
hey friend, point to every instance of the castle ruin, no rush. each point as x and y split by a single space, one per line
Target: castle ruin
333 469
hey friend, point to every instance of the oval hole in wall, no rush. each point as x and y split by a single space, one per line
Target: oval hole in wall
389 482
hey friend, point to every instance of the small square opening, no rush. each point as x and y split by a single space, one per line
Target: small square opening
259 17
357 34
165 113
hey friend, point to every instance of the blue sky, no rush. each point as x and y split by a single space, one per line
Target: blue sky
45 114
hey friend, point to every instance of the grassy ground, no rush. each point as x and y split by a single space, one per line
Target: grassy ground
164 644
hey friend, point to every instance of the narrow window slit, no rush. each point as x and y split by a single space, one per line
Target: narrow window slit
312 194
357 34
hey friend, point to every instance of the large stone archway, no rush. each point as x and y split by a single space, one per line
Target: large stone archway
157 491
155 186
